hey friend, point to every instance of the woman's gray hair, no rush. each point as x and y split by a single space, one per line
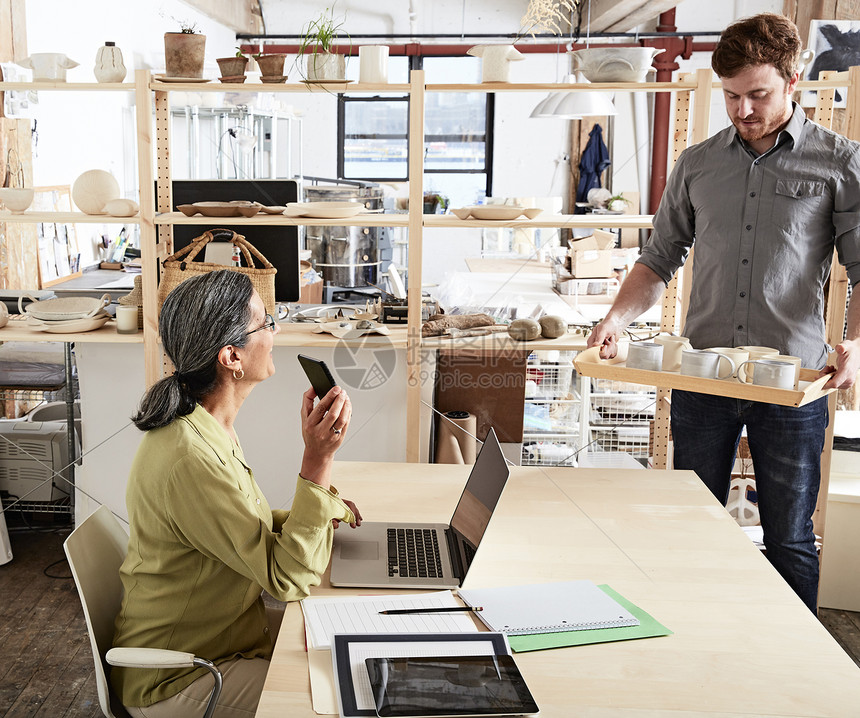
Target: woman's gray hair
198 318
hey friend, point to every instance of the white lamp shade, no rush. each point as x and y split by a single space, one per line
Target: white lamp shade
548 106
585 103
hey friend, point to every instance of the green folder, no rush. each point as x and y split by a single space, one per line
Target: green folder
648 628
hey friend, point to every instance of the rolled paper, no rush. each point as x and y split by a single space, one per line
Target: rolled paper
459 426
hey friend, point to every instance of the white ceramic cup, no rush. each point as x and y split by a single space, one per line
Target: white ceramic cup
126 319
772 373
704 363
645 355
794 360
672 348
373 64
756 352
736 354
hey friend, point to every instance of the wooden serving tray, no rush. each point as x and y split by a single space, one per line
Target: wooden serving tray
589 363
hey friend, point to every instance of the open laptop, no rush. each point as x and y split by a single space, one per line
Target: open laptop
408 555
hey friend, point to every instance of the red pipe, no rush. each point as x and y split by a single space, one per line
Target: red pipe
666 65
427 50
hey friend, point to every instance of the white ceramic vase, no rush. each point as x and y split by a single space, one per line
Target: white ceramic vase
495 61
109 65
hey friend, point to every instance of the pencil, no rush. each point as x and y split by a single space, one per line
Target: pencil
472 609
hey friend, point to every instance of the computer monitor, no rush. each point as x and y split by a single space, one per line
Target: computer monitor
278 244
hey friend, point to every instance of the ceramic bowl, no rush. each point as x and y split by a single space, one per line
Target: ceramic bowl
16 199
615 64
122 207
532 212
189 210
462 212
497 211
248 210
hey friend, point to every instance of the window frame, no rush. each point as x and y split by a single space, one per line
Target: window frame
416 62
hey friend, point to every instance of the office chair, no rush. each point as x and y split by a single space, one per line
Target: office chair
96 550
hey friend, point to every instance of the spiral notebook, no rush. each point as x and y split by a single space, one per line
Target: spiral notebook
548 608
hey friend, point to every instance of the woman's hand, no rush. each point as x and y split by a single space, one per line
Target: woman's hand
324 429
355 512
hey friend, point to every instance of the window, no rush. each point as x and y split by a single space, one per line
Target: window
374 132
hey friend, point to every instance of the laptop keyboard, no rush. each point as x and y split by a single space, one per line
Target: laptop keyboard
414 553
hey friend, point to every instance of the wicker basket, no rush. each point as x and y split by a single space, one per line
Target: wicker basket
178 267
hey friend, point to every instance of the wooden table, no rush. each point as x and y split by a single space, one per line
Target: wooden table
743 643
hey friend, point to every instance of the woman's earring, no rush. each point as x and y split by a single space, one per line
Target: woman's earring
238 374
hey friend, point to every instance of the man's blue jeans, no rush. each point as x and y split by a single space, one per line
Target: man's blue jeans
785 444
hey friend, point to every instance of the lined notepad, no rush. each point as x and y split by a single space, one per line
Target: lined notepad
548 608
326 616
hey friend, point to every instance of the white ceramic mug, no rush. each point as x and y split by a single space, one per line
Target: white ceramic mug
704 364
794 360
736 354
644 355
373 64
757 352
672 348
772 373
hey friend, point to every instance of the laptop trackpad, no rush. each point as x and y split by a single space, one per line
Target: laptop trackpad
359 551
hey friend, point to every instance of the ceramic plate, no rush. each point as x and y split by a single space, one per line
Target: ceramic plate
70 326
501 211
273 209
327 82
220 209
66 308
167 78
324 210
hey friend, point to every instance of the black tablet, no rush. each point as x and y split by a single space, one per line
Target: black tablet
448 686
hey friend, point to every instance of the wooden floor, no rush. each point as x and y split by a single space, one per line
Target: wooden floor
46 667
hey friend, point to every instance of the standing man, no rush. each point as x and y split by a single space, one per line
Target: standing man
765 202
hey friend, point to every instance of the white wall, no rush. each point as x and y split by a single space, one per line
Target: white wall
82 131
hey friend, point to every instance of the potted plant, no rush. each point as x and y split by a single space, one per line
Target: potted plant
271 66
233 68
318 36
184 52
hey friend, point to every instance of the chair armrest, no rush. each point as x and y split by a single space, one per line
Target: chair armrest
149 658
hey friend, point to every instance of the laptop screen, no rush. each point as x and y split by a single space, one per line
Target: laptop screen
479 499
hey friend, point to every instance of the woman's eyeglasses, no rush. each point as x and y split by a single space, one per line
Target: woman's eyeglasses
269 324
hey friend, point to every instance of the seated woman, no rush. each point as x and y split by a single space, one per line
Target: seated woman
204 542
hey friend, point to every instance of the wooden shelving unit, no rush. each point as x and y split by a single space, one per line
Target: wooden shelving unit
157 214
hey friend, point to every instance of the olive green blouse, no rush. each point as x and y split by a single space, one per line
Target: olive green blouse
203 545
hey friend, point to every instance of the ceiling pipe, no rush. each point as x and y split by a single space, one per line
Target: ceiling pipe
666 64
430 50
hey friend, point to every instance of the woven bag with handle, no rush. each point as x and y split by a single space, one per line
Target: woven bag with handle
180 266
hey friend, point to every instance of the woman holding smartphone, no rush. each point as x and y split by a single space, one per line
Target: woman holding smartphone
204 542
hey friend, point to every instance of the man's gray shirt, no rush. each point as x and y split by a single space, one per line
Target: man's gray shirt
764 229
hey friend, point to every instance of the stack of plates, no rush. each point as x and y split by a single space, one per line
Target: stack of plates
324 210
68 314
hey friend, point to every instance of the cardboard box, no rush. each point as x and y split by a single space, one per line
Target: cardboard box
591 257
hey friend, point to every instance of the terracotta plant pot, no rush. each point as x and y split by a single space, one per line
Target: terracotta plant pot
271 65
232 66
183 54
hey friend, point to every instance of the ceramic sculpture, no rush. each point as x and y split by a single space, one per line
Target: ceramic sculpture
495 61
93 190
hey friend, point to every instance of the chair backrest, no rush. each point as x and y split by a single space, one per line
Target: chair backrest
95 551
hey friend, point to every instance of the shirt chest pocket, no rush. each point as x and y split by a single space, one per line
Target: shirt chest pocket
798 202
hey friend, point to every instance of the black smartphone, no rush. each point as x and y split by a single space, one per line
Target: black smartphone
318 373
